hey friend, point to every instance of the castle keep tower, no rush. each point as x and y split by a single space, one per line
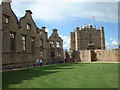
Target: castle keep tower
87 38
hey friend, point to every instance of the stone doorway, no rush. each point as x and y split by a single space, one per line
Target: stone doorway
93 56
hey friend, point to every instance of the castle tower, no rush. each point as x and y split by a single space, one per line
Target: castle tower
87 38
77 38
102 38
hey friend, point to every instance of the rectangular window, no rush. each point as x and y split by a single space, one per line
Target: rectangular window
23 42
28 26
41 54
32 44
41 42
57 44
12 42
52 54
58 54
51 44
6 20
40 32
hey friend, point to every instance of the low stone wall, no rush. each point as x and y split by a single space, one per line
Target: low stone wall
108 55
112 55
85 55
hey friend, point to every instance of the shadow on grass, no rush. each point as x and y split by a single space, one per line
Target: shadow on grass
18 76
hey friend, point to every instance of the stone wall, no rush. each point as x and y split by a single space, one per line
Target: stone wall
82 39
85 55
108 55
23 42
112 55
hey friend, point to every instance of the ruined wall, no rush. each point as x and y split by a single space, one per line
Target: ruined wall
56 46
85 55
78 56
108 55
112 55
23 42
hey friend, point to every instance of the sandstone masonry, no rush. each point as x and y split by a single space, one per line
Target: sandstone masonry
23 42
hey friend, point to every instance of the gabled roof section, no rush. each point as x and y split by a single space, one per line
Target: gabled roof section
55 36
7 10
28 14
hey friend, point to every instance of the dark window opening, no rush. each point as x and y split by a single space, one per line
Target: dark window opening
52 54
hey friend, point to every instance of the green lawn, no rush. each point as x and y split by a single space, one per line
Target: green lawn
70 75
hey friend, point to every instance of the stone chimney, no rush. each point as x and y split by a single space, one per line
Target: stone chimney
43 28
55 30
28 11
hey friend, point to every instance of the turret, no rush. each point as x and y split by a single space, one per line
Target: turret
102 38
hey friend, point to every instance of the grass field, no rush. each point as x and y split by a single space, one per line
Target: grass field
70 75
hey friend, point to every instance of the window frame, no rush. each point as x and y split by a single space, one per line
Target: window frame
12 41
24 43
28 26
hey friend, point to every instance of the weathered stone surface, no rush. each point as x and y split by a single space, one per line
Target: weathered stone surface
23 42
82 39
112 55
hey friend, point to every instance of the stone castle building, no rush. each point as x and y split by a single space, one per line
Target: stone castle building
23 42
88 44
87 38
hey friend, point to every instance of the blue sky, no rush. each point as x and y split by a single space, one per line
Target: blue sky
66 15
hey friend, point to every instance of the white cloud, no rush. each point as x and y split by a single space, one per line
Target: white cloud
111 39
59 10
114 42
66 42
